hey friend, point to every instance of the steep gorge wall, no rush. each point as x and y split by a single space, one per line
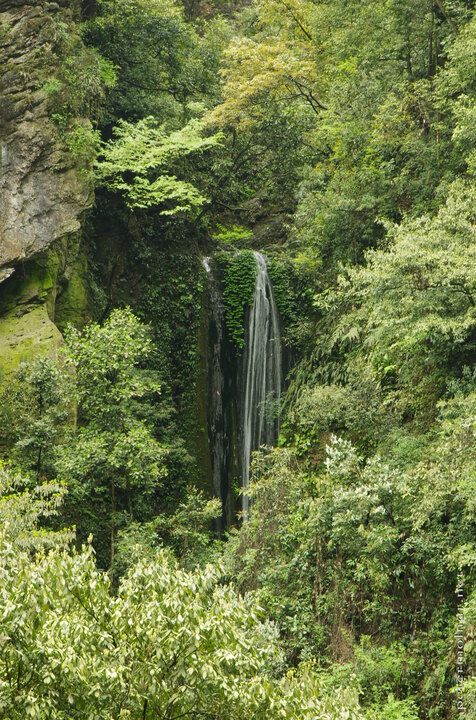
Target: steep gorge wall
42 194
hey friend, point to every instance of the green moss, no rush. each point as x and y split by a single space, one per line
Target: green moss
26 335
27 329
239 278
232 235
74 304
283 280
34 282
40 299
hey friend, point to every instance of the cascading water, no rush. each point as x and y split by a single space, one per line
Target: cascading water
262 374
243 393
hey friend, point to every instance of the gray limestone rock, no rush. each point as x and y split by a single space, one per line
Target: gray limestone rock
42 196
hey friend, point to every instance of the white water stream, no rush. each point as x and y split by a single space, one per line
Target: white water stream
262 369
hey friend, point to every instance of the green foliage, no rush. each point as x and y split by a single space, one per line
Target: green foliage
464 627
187 532
35 408
283 280
170 643
378 671
232 235
239 277
76 91
5 29
82 142
150 46
356 85
266 555
410 309
348 152
80 138
23 504
112 456
144 150
394 710
354 409
81 75
362 550
166 643
394 337
169 292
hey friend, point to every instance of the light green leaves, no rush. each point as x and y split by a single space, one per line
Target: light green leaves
23 504
169 644
141 161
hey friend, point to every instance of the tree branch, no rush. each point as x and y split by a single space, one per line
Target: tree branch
296 19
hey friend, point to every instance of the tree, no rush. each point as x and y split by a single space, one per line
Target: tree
34 412
411 308
356 560
112 453
169 645
358 80
151 46
149 154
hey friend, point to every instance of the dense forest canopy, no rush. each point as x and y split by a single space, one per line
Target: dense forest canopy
337 138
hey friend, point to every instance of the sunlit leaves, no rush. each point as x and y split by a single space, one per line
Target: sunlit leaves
258 74
148 154
25 504
169 644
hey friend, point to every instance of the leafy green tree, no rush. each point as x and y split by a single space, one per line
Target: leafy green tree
147 42
35 409
112 455
358 561
171 644
162 63
358 80
411 308
148 154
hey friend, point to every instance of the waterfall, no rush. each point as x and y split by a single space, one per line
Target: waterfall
243 393
217 425
262 374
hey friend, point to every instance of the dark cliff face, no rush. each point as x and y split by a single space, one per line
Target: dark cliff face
41 195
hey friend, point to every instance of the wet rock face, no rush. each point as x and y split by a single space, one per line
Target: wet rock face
41 195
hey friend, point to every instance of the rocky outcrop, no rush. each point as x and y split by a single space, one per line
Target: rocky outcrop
41 196
40 299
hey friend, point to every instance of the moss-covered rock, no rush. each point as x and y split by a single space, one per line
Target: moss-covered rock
27 302
74 303
40 299
44 190
25 334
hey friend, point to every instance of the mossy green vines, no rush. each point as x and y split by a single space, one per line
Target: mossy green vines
283 281
239 278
